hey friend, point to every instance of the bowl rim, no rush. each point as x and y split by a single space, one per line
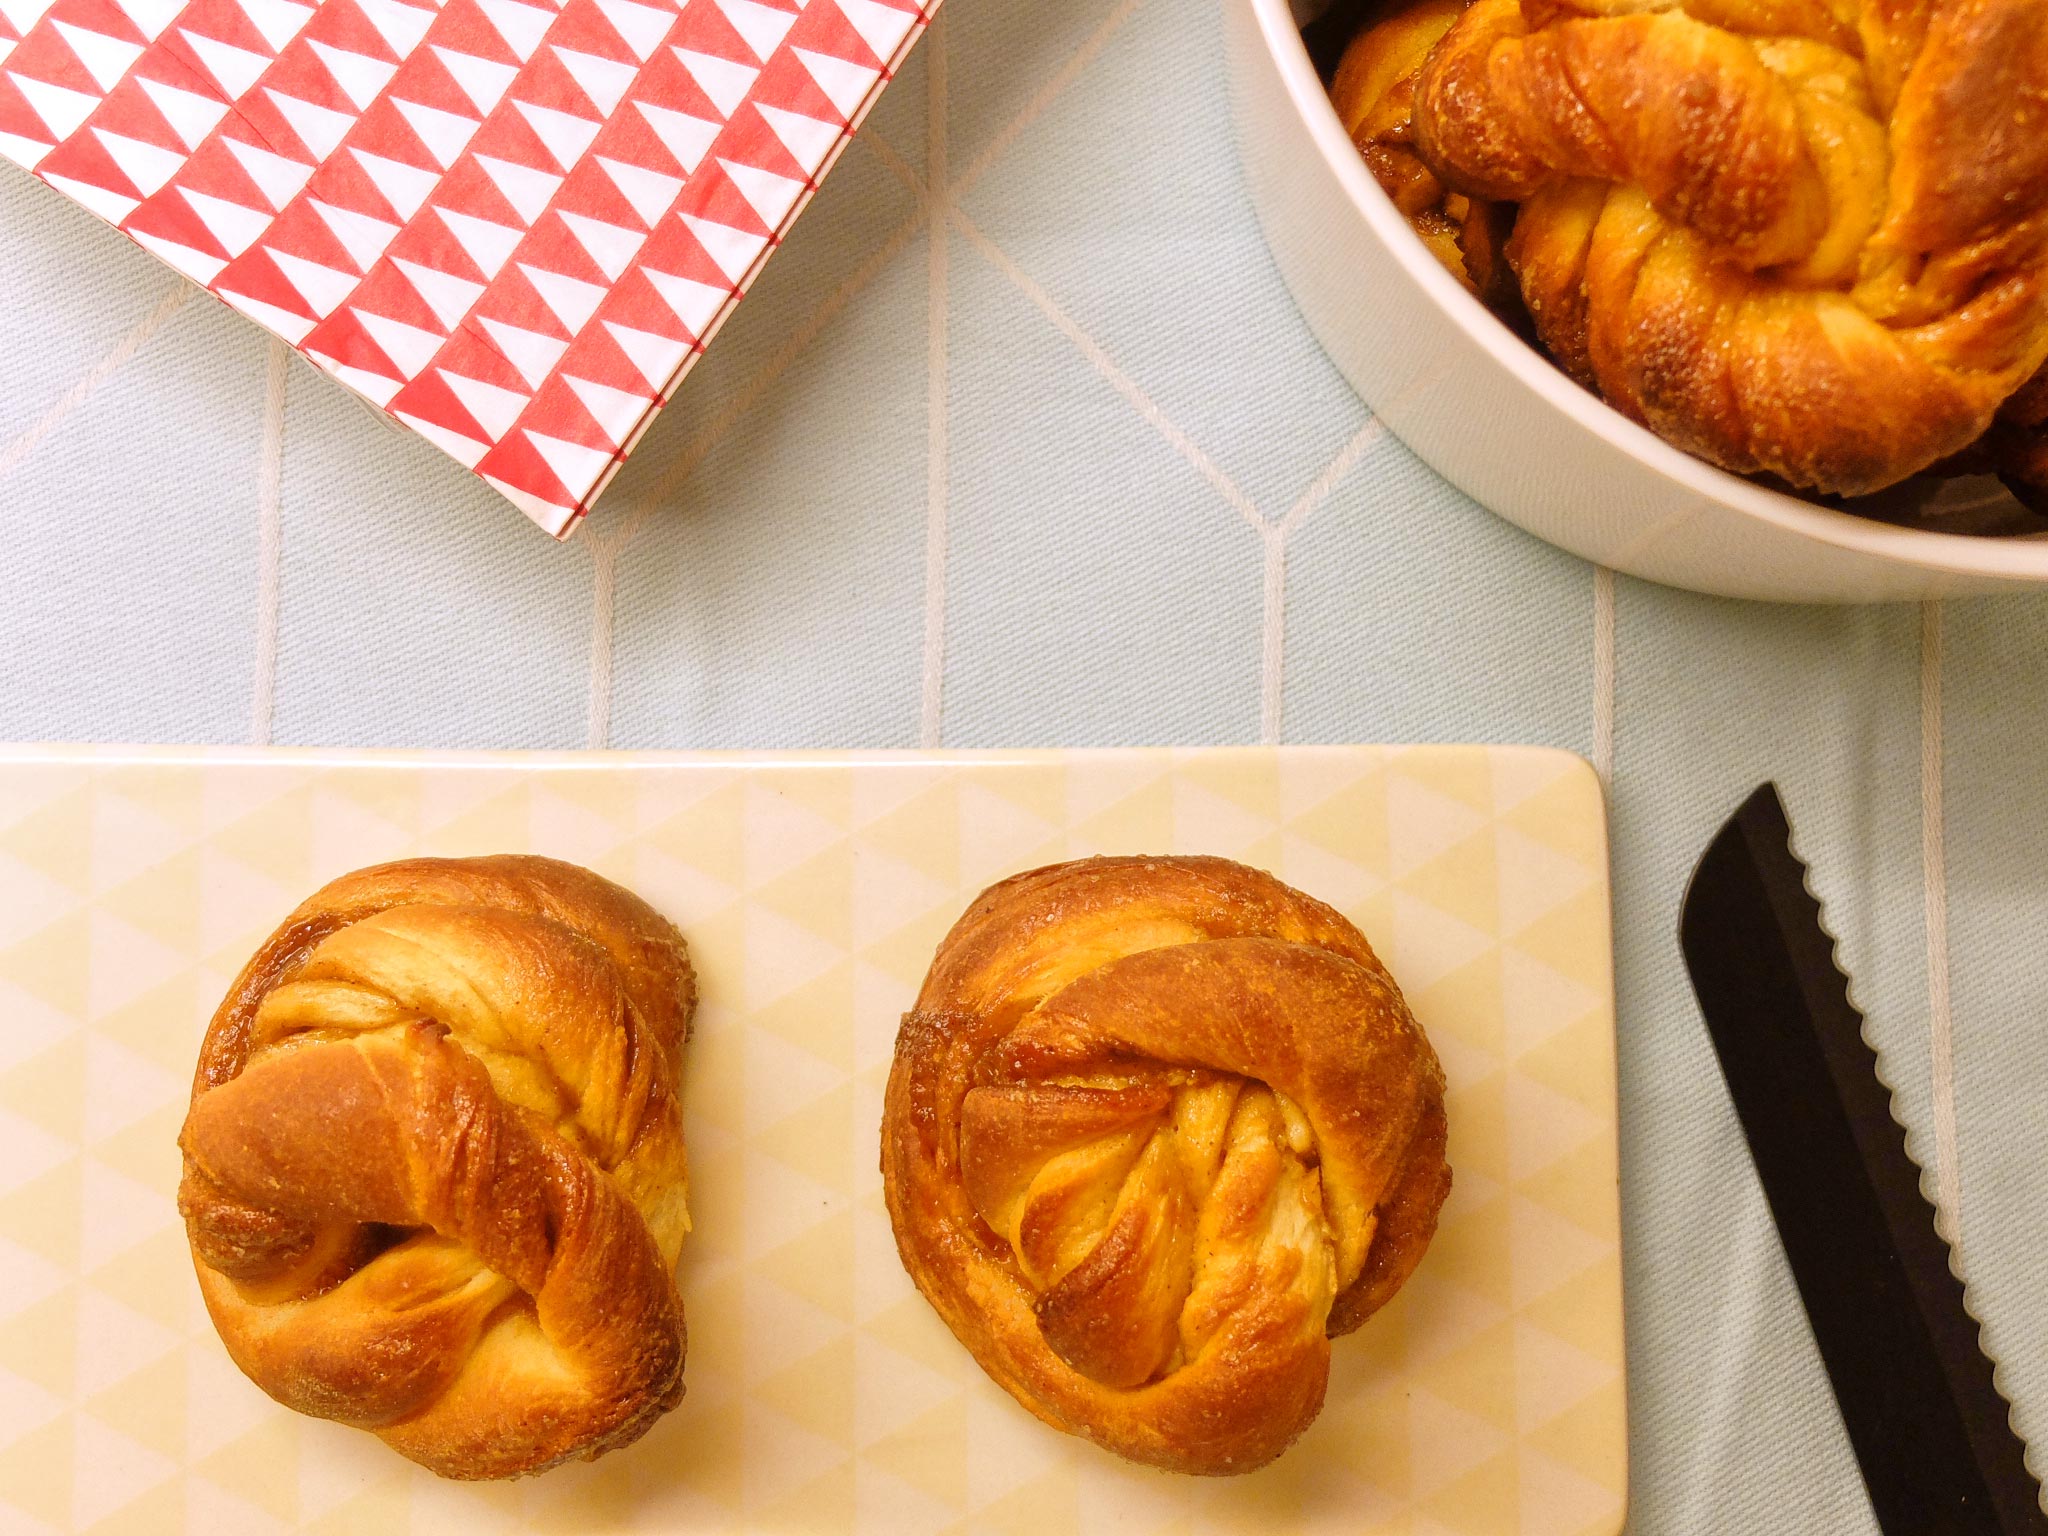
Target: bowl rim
2014 559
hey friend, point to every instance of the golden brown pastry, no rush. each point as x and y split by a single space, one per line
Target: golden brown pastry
1158 1129
1374 94
1807 238
434 1176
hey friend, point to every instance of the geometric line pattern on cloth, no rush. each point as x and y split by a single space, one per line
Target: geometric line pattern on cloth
934 201
938 198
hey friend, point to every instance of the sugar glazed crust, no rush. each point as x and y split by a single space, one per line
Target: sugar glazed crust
1158 1129
1802 238
434 1178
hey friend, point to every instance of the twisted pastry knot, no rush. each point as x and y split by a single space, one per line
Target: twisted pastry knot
1157 1130
1799 237
434 1175
1374 94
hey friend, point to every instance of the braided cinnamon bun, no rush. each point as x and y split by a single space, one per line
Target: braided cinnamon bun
1799 238
1159 1129
434 1175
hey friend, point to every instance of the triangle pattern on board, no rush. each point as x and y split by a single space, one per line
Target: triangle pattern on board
1489 1395
390 185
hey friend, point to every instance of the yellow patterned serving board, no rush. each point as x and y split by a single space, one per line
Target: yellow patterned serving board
824 1395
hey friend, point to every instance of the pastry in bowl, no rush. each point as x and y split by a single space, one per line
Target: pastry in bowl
1157 1131
1805 239
434 1176
1374 93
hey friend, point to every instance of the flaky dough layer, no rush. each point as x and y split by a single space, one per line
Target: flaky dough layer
1158 1128
1805 238
434 1175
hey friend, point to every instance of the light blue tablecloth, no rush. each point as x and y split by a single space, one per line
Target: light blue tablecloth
1072 471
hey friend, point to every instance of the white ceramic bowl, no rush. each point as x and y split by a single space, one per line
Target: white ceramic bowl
1504 425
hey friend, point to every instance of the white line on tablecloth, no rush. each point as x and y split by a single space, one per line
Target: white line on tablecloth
1136 398
634 523
1743 1269
1054 87
15 453
1273 532
1603 672
736 407
932 705
614 541
1274 537
1273 634
1948 1178
604 581
269 541
1370 431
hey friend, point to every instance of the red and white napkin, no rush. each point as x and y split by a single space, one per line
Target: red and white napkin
511 224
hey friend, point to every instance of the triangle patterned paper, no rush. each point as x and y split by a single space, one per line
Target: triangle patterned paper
824 1394
545 205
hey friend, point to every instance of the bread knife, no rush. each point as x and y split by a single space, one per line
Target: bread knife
1931 1432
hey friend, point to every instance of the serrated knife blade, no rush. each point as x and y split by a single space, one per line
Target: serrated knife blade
1930 1430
